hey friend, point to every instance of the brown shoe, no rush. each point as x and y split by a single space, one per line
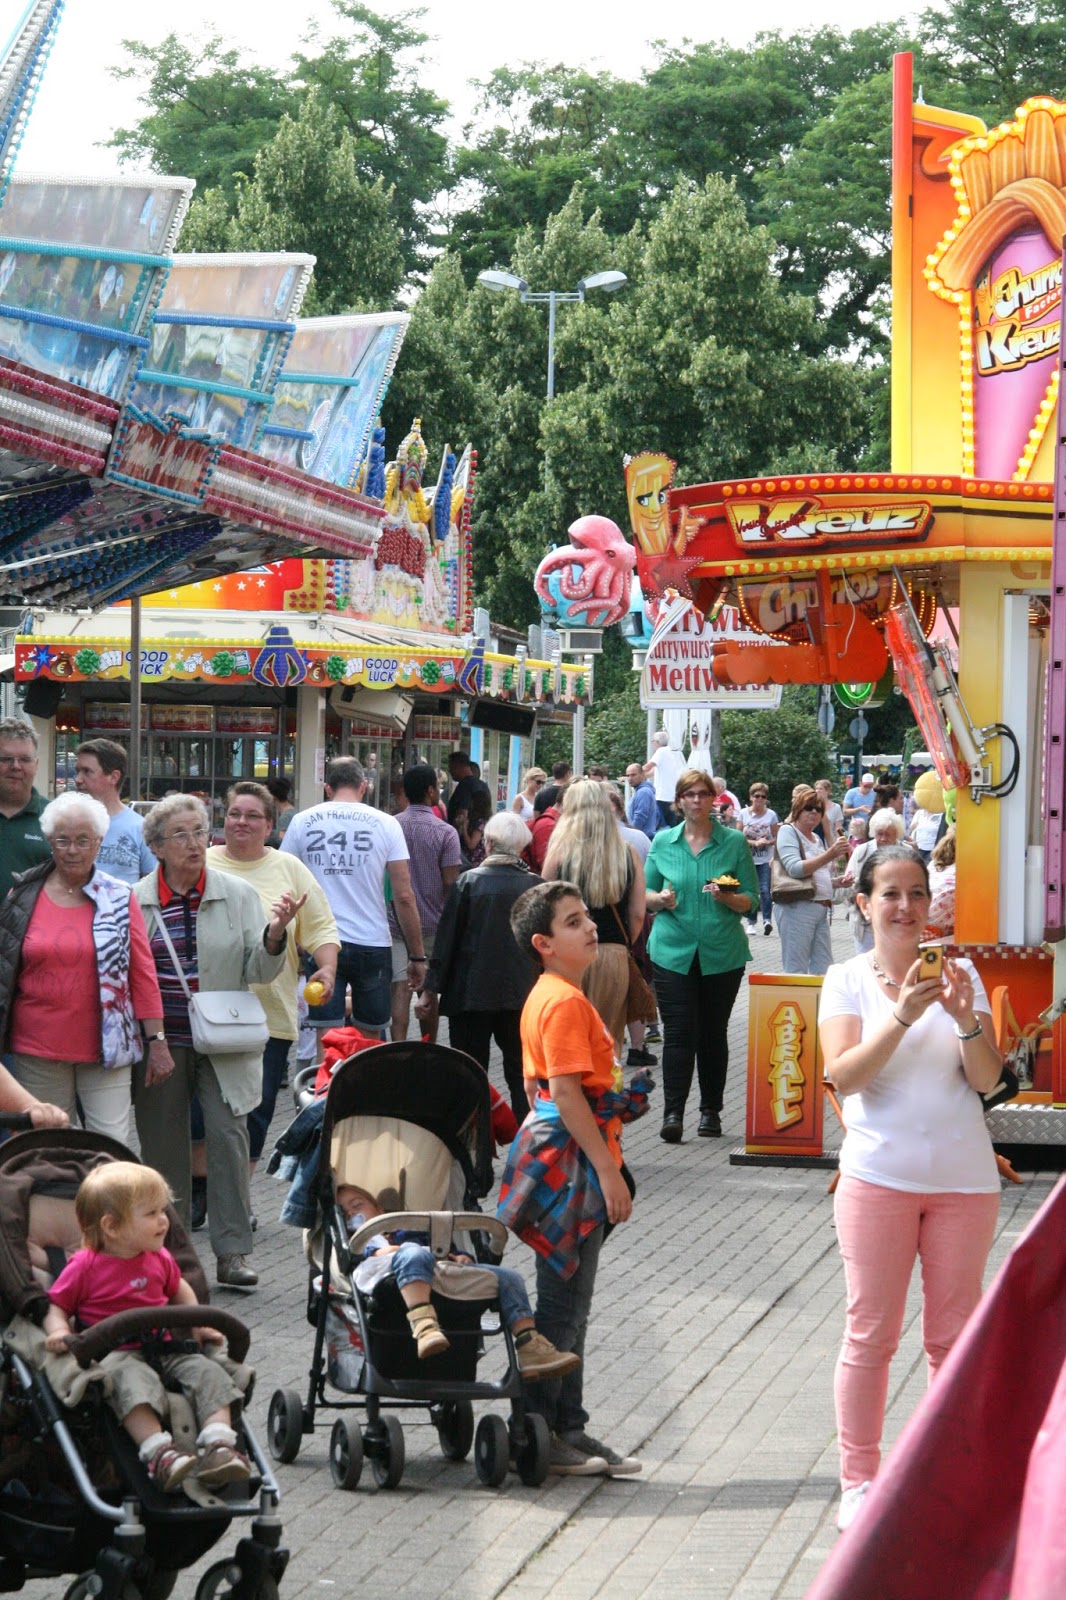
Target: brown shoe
169 1468
221 1464
538 1358
235 1273
429 1336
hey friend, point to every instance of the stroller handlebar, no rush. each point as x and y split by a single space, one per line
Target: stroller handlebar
103 1337
440 1225
15 1121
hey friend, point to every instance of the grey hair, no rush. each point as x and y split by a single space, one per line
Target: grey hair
885 818
155 823
507 832
66 806
18 728
660 738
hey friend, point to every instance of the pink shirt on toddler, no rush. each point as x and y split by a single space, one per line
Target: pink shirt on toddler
93 1286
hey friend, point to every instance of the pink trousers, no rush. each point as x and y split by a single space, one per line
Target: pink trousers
880 1232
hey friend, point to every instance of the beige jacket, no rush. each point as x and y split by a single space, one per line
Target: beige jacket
231 954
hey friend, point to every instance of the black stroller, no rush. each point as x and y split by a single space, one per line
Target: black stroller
409 1123
74 1497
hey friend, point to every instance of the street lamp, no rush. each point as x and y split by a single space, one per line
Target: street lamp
498 281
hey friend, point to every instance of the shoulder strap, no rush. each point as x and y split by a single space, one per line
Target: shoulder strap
165 936
621 927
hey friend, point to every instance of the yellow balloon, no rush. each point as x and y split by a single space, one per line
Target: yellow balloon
929 792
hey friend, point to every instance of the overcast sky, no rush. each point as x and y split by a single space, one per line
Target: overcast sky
80 105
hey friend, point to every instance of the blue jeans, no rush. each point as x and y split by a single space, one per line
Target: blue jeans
368 968
563 1307
766 905
275 1060
414 1263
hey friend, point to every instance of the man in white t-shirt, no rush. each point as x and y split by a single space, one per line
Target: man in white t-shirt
100 771
350 848
664 769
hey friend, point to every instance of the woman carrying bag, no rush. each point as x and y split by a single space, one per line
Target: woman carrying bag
803 918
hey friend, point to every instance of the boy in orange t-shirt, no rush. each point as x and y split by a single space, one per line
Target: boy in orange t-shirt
568 1060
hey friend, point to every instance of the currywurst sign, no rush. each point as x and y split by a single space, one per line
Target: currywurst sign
678 669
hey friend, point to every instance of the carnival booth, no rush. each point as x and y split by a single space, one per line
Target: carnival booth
844 578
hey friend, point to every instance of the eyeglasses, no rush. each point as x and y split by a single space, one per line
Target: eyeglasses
697 794
18 761
186 836
814 808
245 816
83 842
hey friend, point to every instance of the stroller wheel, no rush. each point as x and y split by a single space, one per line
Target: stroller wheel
220 1582
455 1429
534 1451
386 1454
346 1452
285 1424
491 1451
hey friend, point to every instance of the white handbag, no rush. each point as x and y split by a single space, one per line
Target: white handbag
223 1022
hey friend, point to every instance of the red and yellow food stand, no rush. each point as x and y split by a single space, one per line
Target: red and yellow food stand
844 575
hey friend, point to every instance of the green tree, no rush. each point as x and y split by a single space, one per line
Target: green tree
990 55
209 113
779 748
307 195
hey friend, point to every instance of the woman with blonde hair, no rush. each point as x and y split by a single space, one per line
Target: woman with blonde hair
587 849
533 780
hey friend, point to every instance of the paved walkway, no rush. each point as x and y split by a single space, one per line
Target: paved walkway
717 1319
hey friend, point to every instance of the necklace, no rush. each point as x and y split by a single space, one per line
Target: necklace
882 974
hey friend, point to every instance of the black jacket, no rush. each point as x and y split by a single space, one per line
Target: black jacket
476 964
15 914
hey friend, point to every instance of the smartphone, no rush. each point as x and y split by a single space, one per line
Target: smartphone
932 959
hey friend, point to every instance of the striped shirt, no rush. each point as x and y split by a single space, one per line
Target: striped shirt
433 845
179 912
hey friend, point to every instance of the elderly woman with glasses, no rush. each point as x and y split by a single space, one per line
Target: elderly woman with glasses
804 924
78 990
222 940
701 884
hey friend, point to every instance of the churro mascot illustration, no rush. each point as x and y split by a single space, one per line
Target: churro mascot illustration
1001 264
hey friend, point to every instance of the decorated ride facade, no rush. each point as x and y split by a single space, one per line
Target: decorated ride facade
938 572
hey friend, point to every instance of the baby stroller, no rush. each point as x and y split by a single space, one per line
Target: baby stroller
409 1123
74 1496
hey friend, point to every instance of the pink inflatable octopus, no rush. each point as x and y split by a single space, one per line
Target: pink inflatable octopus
600 586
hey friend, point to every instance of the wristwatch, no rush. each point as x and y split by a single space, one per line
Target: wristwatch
152 1038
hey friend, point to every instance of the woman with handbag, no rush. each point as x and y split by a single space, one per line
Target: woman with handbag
802 886
586 849
911 1057
698 948
209 940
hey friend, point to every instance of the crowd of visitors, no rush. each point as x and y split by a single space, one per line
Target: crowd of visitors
549 928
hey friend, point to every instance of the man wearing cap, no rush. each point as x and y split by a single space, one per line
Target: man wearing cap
860 802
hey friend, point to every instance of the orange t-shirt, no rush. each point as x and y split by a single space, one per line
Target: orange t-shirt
564 1034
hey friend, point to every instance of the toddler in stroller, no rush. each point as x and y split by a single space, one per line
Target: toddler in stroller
75 1497
408 1257
122 1213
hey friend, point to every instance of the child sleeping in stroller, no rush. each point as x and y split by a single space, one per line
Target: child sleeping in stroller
409 1259
121 1210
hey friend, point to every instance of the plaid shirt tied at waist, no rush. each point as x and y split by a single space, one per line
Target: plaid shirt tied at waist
550 1196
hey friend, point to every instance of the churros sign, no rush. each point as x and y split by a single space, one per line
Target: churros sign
1000 262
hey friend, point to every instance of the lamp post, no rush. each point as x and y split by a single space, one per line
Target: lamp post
498 281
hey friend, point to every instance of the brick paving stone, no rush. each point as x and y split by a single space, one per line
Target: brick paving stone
716 1326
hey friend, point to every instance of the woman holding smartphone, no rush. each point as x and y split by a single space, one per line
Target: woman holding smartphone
911 1056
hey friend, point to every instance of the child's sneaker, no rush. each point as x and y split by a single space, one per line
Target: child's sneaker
169 1467
615 1466
568 1460
653 1034
538 1358
221 1464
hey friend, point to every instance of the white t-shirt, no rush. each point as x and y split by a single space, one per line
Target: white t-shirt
917 1125
669 765
348 846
